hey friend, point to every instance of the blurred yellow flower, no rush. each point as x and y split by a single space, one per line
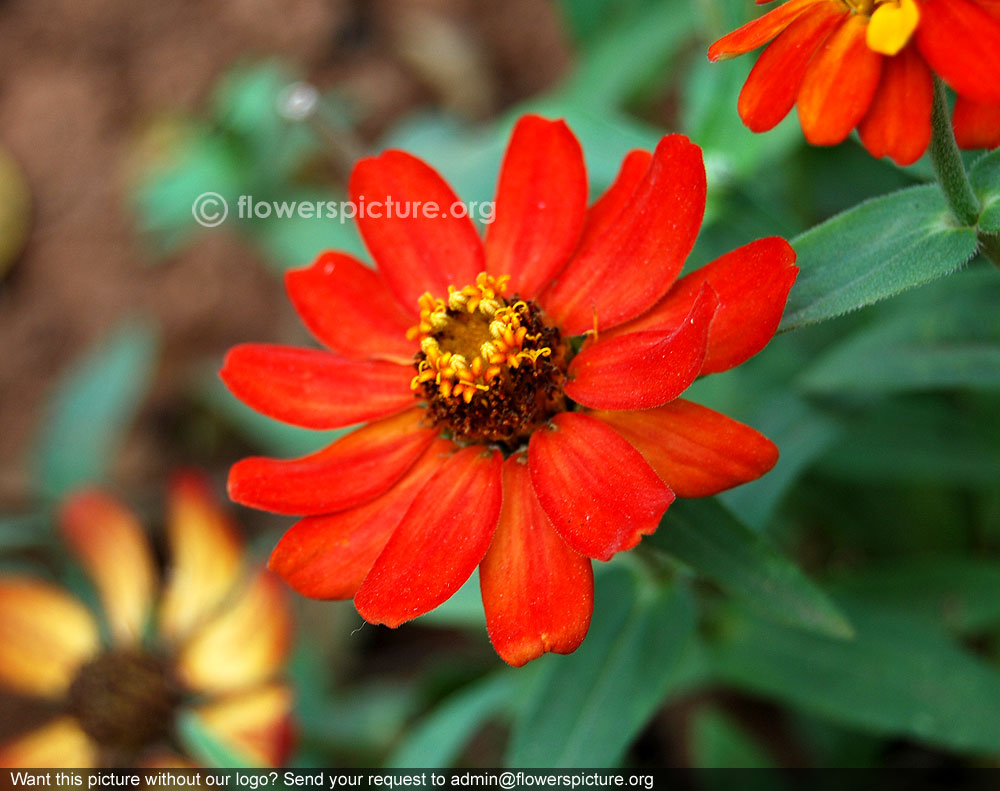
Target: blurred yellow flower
210 643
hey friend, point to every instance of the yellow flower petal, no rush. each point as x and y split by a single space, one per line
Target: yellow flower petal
112 547
205 556
255 723
61 744
45 636
891 26
245 644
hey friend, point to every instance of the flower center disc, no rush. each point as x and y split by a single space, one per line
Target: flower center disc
124 701
489 369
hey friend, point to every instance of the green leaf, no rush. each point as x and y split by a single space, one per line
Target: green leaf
925 440
719 743
900 677
440 737
709 539
587 707
802 433
948 336
295 241
364 720
629 53
24 531
93 405
247 106
879 248
985 178
207 748
463 610
201 163
710 118
588 20
959 592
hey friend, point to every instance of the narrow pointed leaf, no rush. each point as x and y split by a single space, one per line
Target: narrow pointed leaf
900 677
92 407
708 538
895 243
438 739
589 706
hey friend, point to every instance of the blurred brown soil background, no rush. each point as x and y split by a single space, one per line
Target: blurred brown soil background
79 84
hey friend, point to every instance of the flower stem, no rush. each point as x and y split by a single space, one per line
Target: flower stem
948 165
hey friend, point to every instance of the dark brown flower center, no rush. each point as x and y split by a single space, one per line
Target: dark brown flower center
124 700
489 369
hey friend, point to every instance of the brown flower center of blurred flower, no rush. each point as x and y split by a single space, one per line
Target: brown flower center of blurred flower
125 701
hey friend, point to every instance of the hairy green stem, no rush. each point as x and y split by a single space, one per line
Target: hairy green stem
948 165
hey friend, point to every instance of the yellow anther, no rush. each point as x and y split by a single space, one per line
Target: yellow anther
438 320
490 306
470 336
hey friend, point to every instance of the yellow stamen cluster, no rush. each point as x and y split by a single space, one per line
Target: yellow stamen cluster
469 337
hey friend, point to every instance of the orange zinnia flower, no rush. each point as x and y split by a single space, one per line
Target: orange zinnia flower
114 689
501 437
868 64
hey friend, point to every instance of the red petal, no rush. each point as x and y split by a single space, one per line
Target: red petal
540 205
626 269
348 308
599 492
537 592
315 389
644 369
775 79
839 84
752 283
439 542
961 41
976 125
898 123
758 32
606 209
351 471
327 557
415 252
697 451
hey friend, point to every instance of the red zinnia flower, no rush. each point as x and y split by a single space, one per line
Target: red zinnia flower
868 64
457 375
